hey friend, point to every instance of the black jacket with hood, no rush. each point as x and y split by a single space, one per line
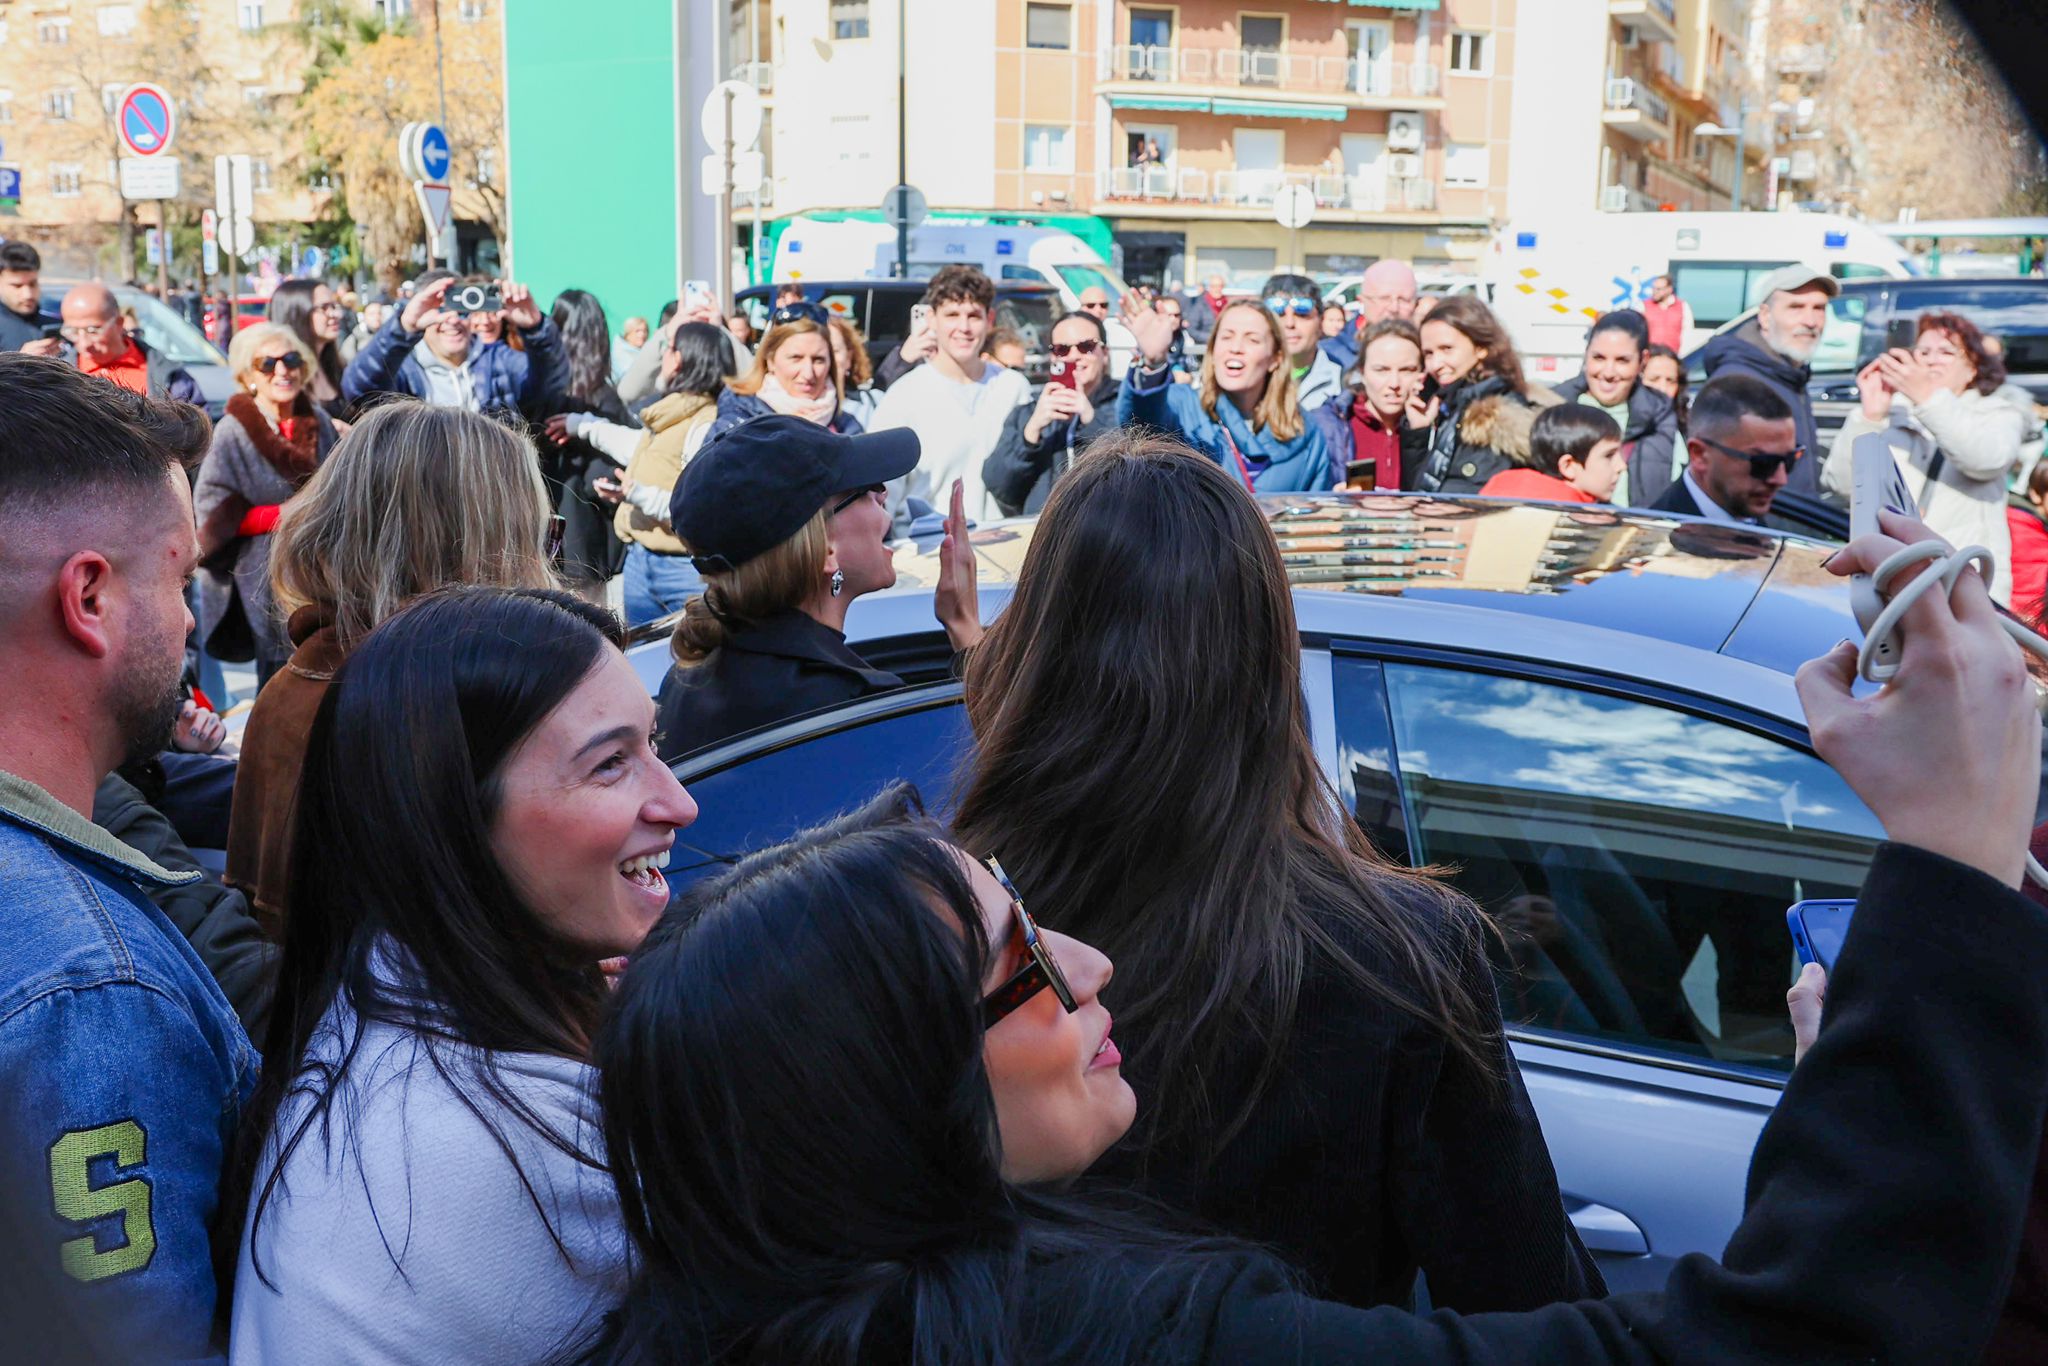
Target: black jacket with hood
1019 473
1744 352
1482 428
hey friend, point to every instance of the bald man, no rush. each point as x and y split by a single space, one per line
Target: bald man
105 347
126 1067
1388 291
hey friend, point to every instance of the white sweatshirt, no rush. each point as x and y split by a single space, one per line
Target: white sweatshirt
957 427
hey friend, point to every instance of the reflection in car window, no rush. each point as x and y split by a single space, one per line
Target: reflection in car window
1638 859
2014 312
762 801
1365 755
1842 338
167 334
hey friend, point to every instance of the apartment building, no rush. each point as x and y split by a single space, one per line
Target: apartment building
1175 124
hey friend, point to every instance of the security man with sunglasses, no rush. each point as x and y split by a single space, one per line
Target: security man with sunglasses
1741 446
1042 436
1297 302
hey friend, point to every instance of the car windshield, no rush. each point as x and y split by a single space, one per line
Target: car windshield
167 334
1080 276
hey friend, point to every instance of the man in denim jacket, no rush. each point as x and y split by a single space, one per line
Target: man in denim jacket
122 1067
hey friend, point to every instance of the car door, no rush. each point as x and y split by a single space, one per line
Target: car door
1637 851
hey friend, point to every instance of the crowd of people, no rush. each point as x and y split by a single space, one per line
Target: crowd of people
439 1068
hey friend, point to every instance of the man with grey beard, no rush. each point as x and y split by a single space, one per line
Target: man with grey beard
126 1068
1777 347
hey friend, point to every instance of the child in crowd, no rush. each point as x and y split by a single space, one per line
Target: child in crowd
1574 457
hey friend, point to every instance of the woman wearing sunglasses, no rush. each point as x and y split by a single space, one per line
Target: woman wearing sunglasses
1313 1029
845 1095
1077 405
1244 412
787 522
792 375
264 450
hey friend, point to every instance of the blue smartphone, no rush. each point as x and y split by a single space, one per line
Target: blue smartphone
1818 929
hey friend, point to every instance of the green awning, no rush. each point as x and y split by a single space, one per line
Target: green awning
1185 104
1279 109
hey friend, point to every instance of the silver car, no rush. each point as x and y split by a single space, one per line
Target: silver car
1588 714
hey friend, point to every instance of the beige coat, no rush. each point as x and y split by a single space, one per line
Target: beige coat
676 427
1979 440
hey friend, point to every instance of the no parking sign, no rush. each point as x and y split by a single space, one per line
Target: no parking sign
147 119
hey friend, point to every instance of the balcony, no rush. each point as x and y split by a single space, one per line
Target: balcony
1622 199
1635 111
1663 66
1657 18
1802 59
1176 76
1237 189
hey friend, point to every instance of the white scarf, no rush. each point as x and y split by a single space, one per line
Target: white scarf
820 410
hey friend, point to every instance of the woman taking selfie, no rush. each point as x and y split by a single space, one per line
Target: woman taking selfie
265 448
787 523
792 375
413 499
847 1085
1268 950
1242 412
483 821
1478 408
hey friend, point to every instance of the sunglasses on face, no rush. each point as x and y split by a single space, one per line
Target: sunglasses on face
1101 306
292 361
1280 305
1762 464
1079 348
850 499
1039 970
803 312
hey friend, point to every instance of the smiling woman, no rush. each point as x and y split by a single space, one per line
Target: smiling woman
482 819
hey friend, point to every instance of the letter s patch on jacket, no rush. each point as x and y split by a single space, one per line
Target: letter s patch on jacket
75 1198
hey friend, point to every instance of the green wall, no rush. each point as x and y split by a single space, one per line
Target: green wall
589 96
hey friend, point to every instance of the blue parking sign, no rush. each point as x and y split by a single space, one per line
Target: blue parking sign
10 183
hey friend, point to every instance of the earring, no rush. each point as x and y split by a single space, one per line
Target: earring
838 582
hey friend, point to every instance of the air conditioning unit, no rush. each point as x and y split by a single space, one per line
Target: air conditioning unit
1404 131
1405 166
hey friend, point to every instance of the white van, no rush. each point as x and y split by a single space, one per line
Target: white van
1548 279
865 249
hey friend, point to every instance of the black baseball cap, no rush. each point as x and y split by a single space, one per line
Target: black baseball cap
756 486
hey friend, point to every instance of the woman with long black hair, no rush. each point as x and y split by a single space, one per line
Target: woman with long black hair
588 477
846 1084
480 824
312 313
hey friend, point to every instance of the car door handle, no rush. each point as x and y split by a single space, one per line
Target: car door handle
1605 1230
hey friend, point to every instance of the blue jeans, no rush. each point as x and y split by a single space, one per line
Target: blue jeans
657 584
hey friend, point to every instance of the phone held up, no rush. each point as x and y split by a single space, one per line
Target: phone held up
920 318
1061 372
1874 483
1818 929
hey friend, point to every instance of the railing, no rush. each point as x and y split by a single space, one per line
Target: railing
1664 62
1667 8
1365 192
1626 93
1270 69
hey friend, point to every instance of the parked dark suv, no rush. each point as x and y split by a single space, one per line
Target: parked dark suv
881 310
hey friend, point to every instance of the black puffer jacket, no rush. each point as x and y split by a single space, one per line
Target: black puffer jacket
1482 427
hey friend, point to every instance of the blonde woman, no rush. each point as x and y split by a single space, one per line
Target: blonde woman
792 374
267 445
1242 412
413 499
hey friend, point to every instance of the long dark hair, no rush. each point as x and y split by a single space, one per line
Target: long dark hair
1145 772
292 306
707 360
586 343
804 1139
401 910
1477 322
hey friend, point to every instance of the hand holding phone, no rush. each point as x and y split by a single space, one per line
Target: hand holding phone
1819 929
1875 485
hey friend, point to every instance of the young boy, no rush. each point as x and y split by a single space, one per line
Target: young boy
1574 457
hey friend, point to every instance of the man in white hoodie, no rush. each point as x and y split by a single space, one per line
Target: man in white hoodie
956 402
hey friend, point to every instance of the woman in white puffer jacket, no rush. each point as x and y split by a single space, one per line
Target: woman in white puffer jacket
1954 441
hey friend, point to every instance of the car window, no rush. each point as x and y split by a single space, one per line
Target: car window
889 313
2017 314
1030 316
1719 290
1365 755
1841 340
167 334
1638 859
761 801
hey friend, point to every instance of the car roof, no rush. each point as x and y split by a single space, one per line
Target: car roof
1747 592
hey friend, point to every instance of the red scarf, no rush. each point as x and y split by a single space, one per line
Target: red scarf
294 451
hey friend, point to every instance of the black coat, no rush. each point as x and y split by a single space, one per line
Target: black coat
591 550
1481 429
1020 474
19 329
1415 1160
1885 1201
780 668
1678 498
1743 352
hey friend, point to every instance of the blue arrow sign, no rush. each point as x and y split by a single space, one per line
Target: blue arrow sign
434 155
145 121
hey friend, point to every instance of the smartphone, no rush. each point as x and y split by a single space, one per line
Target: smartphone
1358 474
695 289
1874 483
1818 929
920 318
1429 388
1061 372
